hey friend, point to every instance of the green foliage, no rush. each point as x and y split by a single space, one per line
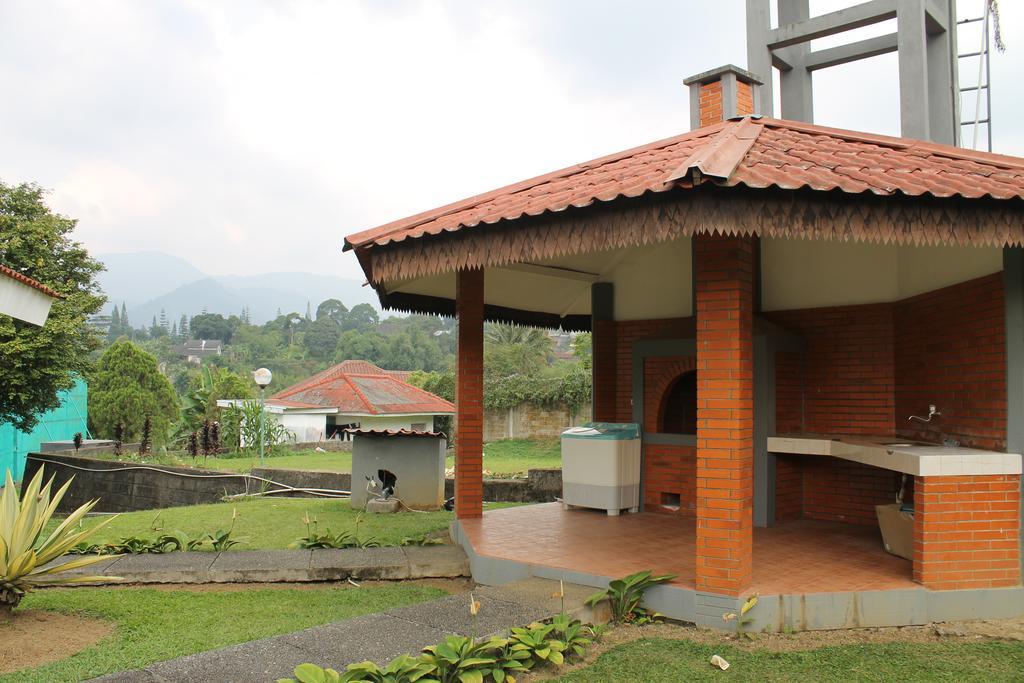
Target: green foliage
624 596
460 659
514 350
213 326
247 419
536 640
26 552
313 540
137 545
126 388
321 338
583 349
573 388
36 242
572 634
743 621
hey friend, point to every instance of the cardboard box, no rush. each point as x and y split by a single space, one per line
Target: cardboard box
897 530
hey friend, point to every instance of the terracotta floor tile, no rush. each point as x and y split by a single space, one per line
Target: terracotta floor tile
798 557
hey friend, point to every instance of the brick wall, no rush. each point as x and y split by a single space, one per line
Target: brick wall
711 111
847 375
951 352
725 412
605 357
842 491
469 394
660 372
966 532
789 488
670 470
626 334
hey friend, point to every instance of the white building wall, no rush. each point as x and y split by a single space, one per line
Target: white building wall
306 428
20 301
393 421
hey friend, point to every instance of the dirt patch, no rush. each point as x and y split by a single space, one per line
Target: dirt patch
29 640
962 631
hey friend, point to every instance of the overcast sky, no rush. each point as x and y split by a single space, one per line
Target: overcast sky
250 137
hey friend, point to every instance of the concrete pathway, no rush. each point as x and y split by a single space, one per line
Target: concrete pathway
277 566
377 637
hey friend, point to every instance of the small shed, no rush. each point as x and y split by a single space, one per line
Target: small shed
408 463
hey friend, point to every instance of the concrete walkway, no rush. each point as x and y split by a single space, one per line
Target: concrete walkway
378 637
278 566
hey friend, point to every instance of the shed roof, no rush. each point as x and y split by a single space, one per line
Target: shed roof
749 152
362 388
25 280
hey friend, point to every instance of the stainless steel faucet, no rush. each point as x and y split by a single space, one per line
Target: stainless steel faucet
932 412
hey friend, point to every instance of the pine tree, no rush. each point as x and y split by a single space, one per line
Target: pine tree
115 319
309 313
183 326
163 320
126 387
124 315
174 330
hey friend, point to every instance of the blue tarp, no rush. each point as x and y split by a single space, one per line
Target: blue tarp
56 425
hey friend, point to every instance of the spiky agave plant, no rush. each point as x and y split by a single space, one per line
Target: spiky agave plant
26 554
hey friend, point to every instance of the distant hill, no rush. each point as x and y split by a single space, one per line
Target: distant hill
144 275
188 290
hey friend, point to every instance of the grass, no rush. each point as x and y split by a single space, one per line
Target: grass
501 458
669 661
155 625
270 524
516 456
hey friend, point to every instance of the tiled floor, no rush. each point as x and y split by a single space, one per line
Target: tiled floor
797 557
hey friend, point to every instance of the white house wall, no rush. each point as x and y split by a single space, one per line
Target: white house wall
391 421
306 428
20 301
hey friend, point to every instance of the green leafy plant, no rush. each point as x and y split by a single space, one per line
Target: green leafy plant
510 660
572 634
743 621
536 640
402 669
314 540
422 539
598 631
26 556
311 673
625 595
460 659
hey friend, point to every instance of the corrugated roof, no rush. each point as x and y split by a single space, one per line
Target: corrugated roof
25 280
361 388
750 152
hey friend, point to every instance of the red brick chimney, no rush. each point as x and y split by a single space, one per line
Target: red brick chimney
721 94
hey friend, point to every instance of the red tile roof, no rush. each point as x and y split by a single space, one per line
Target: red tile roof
750 152
361 388
25 280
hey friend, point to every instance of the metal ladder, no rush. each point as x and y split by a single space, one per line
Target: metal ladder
984 82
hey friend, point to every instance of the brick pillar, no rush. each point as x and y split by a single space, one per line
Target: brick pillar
967 531
469 394
725 412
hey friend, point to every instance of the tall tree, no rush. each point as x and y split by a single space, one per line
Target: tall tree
128 386
361 315
332 309
37 242
183 326
321 338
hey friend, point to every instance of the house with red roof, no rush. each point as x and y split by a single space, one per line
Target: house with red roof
810 328
353 394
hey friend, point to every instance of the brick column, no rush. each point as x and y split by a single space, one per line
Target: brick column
469 395
967 531
725 412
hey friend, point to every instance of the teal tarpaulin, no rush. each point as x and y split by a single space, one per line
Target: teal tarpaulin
56 425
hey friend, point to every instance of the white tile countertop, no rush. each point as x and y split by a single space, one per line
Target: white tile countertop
919 459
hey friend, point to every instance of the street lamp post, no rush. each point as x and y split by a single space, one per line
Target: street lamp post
262 378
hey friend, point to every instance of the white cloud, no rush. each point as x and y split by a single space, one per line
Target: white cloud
252 136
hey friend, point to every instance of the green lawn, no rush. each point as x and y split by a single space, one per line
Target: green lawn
670 661
501 458
155 625
270 523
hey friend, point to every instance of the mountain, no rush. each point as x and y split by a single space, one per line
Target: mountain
188 290
143 275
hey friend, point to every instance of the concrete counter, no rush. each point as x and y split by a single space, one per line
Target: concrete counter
918 459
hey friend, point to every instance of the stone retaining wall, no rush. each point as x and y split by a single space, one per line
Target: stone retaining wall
125 487
527 421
